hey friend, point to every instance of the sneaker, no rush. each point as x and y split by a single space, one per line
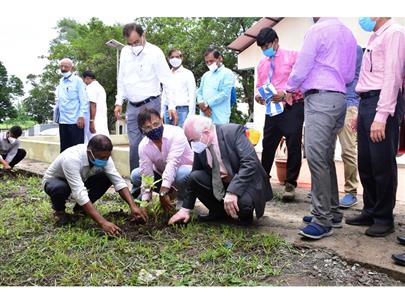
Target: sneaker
316 231
399 259
289 192
335 223
348 201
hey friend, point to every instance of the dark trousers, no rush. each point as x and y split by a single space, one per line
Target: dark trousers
70 135
200 183
288 124
377 163
21 153
58 189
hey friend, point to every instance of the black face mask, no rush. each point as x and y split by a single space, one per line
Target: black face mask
155 134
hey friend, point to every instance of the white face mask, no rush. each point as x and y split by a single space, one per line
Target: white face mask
213 67
11 140
137 50
175 62
198 147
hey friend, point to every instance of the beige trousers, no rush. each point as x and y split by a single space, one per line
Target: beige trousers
348 141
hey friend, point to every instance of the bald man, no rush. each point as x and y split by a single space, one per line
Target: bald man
227 176
72 106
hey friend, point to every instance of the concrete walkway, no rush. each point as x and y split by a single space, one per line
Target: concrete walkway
348 242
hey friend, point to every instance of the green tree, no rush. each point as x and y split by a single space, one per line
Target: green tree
193 36
10 89
85 44
38 105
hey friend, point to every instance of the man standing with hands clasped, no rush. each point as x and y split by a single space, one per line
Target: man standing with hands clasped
143 69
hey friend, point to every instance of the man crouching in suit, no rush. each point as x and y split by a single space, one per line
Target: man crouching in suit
227 176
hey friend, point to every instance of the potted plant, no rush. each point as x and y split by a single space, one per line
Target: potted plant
281 161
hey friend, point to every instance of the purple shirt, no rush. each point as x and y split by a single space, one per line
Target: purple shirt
327 60
175 152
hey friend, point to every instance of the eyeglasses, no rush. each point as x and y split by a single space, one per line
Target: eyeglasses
155 125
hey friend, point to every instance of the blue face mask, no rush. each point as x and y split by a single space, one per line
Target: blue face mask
66 74
269 52
97 162
155 134
367 24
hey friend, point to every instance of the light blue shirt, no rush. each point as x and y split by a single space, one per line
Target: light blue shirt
353 98
215 89
72 100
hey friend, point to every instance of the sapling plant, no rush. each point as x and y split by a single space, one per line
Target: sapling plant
153 207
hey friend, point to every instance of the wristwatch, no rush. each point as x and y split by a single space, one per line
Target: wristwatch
163 194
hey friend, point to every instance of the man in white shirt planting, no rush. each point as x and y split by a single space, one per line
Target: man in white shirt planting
86 173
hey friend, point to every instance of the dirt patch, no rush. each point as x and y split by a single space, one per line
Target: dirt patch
136 231
299 266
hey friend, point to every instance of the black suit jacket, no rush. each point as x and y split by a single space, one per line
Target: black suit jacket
241 162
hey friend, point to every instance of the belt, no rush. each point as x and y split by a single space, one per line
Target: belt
143 102
318 91
369 94
180 106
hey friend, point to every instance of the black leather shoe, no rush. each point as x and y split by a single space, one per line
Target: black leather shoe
378 230
78 210
399 259
245 220
401 240
63 219
210 217
360 220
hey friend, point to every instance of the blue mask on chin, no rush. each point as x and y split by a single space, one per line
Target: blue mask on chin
367 24
97 162
269 52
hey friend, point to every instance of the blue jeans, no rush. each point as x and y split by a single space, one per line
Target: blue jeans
180 182
182 112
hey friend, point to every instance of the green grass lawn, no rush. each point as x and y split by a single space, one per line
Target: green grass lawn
24 124
35 252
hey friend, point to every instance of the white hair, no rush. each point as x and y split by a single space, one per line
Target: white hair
195 125
66 60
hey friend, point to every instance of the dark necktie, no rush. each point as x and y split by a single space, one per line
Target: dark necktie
217 185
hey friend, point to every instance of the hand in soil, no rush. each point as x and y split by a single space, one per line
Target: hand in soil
111 229
166 203
139 214
182 216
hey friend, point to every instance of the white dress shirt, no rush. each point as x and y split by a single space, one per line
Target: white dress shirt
73 165
96 94
185 89
140 77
